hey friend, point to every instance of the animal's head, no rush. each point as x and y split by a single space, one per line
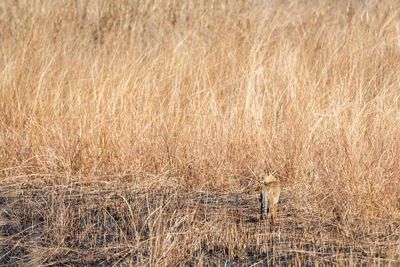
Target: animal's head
266 177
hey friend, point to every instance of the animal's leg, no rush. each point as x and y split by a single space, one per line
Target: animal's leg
264 207
274 214
262 202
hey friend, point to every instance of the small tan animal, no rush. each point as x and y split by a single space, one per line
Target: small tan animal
270 191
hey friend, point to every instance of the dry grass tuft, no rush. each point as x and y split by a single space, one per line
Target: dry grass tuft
127 129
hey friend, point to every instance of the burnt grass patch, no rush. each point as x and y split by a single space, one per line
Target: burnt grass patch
95 225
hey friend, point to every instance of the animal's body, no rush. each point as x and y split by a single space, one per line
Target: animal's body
270 192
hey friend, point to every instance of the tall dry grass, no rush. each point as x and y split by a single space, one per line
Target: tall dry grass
188 95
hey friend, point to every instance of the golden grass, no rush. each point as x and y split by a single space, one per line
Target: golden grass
127 130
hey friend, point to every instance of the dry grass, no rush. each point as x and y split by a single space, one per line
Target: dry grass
127 129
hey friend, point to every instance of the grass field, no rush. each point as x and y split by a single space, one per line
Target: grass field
130 130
